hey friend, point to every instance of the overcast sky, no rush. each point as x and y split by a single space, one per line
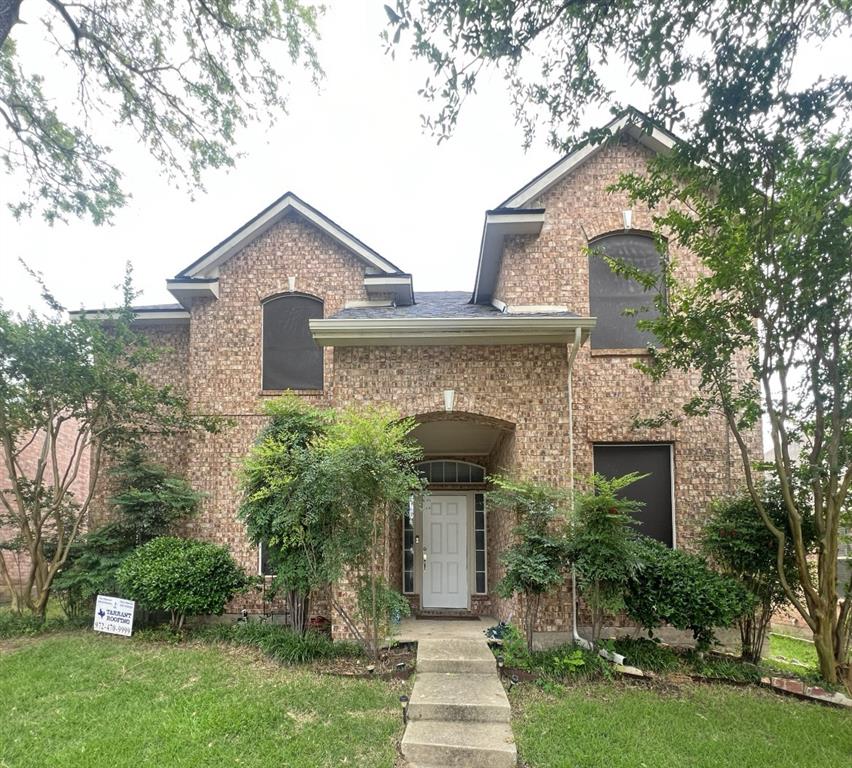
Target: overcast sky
354 149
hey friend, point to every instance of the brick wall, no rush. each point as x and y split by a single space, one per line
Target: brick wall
525 386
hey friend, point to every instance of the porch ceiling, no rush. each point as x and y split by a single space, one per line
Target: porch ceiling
457 438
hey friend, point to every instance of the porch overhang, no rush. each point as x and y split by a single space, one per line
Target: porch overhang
501 329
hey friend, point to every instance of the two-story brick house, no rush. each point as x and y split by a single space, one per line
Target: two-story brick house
532 372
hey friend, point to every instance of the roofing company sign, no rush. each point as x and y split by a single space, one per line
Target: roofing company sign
114 615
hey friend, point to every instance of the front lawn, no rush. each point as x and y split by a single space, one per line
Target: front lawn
615 725
79 699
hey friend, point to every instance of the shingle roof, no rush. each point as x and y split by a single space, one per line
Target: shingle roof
436 304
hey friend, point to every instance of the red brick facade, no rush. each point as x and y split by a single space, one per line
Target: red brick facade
216 360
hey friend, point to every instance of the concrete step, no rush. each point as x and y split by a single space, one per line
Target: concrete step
455 655
459 697
472 745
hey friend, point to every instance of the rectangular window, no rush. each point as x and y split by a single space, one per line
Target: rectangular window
655 491
479 542
618 302
408 549
264 567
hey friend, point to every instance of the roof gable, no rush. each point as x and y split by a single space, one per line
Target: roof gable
516 216
631 122
207 265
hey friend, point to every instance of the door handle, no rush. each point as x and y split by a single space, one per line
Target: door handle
424 558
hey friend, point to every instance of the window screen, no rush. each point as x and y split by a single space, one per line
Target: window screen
655 491
610 295
264 565
291 357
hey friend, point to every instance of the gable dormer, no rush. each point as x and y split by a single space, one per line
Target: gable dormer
382 280
532 252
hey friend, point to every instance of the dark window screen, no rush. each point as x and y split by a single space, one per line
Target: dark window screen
291 357
655 490
610 295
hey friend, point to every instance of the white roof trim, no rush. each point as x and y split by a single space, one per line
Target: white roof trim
656 140
362 303
530 309
345 332
244 235
186 290
144 317
398 285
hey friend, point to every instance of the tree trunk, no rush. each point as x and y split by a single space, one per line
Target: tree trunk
8 17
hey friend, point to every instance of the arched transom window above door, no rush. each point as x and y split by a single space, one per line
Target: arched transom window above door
451 472
291 357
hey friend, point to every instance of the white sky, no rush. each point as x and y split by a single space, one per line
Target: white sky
355 150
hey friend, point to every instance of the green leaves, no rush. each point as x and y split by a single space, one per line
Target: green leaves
183 76
674 587
181 576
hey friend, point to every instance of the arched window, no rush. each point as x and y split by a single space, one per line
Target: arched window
291 357
618 302
451 472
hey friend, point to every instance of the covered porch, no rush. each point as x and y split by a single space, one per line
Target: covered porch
445 551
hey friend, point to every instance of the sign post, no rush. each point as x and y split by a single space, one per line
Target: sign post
114 615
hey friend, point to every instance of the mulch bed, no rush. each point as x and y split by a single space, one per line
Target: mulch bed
395 663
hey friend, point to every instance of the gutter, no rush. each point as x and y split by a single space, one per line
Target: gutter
617 658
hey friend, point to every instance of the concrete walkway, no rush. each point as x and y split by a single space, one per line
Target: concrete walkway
458 714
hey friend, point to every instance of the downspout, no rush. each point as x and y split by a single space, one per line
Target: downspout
578 640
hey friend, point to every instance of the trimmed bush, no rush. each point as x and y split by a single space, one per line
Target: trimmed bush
182 576
679 589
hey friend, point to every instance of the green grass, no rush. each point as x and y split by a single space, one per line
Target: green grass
701 726
80 700
792 649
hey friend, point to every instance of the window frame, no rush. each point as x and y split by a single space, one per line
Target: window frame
453 483
662 443
275 297
591 244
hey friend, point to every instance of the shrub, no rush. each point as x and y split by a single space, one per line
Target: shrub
280 643
148 502
737 539
600 546
535 563
14 624
677 588
182 576
647 654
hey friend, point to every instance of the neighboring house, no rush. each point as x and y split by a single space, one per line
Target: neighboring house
530 373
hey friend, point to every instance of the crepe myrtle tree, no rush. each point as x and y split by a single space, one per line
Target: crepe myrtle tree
767 326
183 76
69 391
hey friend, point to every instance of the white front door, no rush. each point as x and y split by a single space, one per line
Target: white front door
445 552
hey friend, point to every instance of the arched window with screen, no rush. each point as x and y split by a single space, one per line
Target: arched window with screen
618 302
291 357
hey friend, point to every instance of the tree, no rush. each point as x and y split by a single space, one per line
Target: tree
321 490
278 507
601 548
719 72
84 380
148 503
183 76
536 560
767 327
743 547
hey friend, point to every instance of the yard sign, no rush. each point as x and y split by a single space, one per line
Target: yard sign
114 615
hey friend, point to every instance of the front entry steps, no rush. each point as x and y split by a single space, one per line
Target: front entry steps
458 714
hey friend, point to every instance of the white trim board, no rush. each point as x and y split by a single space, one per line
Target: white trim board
205 266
